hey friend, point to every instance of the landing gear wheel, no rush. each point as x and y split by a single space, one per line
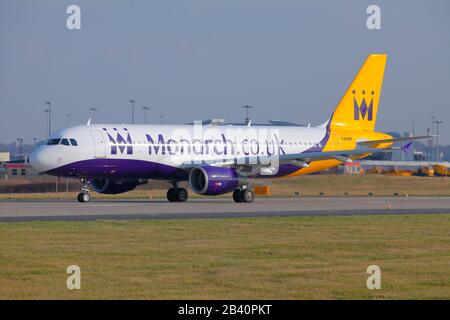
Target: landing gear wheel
181 194
84 197
171 194
237 195
177 194
247 196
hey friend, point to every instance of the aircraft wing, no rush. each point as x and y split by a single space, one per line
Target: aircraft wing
299 159
306 157
371 143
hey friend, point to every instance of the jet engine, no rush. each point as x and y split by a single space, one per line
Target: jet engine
209 180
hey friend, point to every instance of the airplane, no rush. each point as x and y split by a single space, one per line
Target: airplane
218 159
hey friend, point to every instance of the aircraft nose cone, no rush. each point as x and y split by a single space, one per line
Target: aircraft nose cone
38 160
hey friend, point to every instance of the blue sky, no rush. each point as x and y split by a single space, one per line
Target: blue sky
192 60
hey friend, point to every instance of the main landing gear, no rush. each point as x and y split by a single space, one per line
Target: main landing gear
243 195
176 194
84 195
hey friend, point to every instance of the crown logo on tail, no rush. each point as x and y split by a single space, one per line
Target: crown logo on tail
362 110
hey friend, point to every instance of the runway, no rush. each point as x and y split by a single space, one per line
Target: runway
58 210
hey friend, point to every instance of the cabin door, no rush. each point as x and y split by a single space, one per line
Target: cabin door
100 143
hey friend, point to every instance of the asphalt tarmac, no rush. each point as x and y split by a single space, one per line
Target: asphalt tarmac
59 210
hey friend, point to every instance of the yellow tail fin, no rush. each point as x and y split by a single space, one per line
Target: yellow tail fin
358 108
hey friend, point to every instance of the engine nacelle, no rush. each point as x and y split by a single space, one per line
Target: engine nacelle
108 186
212 181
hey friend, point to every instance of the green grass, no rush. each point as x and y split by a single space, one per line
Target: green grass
260 258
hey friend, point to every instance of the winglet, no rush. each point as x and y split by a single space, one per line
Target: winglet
406 147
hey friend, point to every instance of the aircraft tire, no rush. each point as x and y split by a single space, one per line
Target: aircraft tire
181 195
247 196
171 195
84 197
237 196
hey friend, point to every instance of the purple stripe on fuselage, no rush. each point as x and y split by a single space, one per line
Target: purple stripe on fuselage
128 168
120 168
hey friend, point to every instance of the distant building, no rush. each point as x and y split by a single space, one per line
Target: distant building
419 156
15 170
5 157
350 167
400 165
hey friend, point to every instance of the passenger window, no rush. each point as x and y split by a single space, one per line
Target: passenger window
65 142
74 142
53 142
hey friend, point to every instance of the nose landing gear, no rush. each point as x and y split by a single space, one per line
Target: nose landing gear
243 195
84 195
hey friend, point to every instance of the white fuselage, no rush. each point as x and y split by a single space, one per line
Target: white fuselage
101 148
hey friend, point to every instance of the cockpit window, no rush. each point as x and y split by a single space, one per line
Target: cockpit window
64 141
53 142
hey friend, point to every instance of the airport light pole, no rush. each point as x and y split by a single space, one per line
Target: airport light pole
48 110
146 109
247 119
93 110
68 119
437 122
132 101
161 117
432 150
46 123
